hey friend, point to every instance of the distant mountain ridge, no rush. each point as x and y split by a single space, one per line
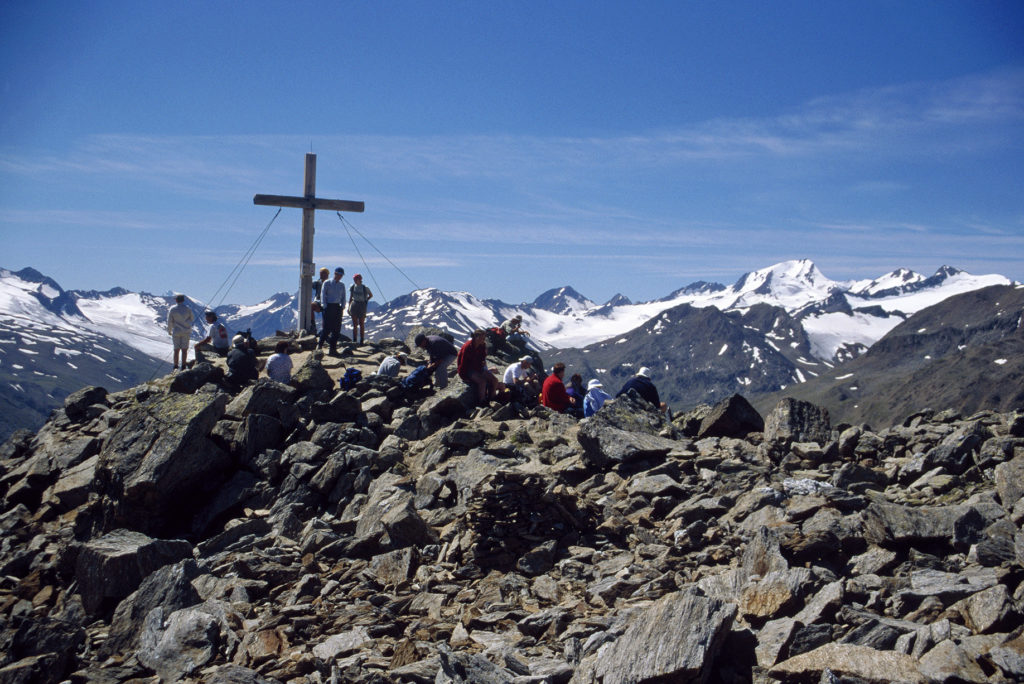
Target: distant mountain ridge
774 327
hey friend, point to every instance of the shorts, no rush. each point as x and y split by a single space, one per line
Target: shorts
357 309
181 341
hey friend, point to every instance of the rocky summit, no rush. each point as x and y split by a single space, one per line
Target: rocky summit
177 531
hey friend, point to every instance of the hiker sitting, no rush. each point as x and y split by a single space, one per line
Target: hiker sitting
521 380
514 332
553 394
596 396
243 367
441 353
217 340
279 365
643 386
576 394
391 365
472 367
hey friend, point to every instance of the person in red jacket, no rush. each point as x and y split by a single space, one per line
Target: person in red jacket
472 367
553 394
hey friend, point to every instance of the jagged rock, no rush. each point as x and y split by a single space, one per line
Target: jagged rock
732 417
41 651
177 644
159 461
947 662
74 486
886 523
266 398
310 377
604 445
846 660
793 420
987 610
77 403
1009 479
190 380
449 544
676 638
113 566
169 587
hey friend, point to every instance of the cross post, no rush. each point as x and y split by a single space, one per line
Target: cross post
309 203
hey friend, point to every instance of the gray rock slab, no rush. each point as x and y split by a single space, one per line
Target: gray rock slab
847 660
677 638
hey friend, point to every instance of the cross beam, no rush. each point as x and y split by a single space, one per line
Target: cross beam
309 203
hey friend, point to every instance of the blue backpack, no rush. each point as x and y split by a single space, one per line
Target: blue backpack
351 377
416 379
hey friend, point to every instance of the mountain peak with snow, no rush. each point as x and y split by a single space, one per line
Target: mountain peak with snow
563 300
788 284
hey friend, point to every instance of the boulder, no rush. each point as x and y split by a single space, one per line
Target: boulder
732 417
112 566
677 638
793 420
159 463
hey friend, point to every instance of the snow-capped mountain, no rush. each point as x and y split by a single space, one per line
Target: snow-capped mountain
841 319
799 313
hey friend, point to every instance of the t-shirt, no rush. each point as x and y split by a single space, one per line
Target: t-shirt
219 336
515 372
359 293
279 368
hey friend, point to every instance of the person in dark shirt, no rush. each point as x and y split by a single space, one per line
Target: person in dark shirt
242 365
441 353
642 384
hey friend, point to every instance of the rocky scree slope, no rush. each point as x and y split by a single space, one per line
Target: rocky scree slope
298 533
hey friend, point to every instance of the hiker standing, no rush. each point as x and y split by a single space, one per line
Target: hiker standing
179 327
332 300
359 295
315 307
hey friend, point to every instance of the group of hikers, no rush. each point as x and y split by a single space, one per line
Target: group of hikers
329 300
520 384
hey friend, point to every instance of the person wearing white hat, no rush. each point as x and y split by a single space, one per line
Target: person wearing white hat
643 386
596 396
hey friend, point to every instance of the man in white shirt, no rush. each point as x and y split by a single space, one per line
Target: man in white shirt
521 380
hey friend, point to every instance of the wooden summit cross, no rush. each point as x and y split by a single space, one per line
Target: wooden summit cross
309 203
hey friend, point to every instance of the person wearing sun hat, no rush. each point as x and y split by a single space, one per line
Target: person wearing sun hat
642 384
596 396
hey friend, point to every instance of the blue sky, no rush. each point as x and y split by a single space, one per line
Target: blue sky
508 148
